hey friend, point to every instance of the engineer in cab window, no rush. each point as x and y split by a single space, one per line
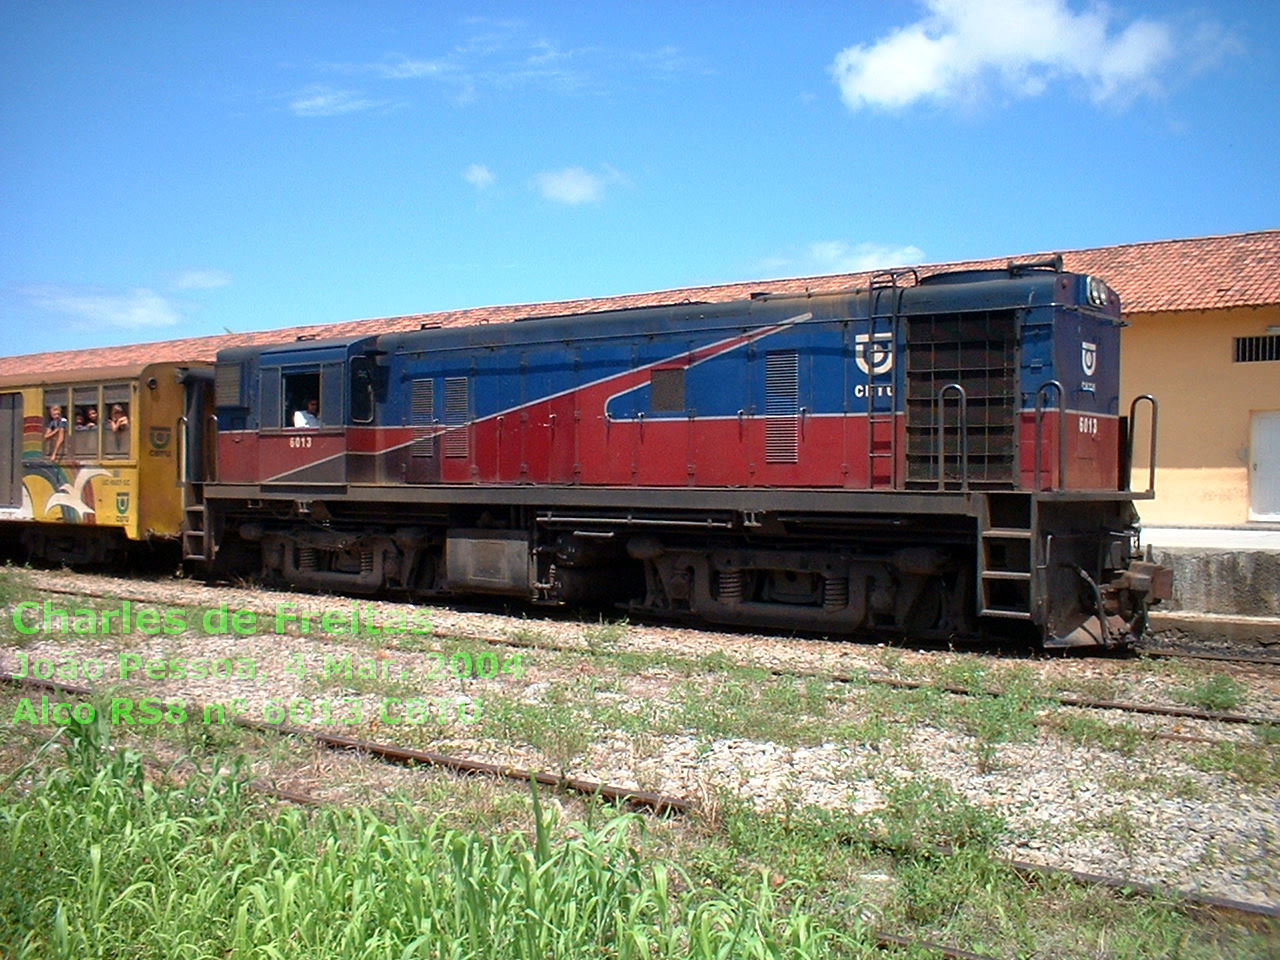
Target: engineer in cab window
309 416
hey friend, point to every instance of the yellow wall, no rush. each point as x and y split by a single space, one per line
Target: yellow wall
1185 360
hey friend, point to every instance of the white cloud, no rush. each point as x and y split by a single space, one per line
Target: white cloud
961 46
201 280
406 68
323 101
502 56
837 256
136 309
479 176
574 185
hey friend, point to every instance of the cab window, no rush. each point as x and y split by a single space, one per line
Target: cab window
302 406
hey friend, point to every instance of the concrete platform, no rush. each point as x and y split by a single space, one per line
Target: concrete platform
1237 633
1226 583
1215 538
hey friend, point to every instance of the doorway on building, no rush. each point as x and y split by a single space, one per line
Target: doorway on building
1264 466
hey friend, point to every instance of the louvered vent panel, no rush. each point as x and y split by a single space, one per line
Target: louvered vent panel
422 404
456 408
226 385
782 407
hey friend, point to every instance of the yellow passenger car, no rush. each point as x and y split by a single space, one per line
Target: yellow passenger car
91 460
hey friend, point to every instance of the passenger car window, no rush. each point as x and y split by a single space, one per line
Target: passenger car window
86 422
56 425
118 428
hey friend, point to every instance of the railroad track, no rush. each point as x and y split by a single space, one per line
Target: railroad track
1066 700
1218 656
679 806
394 753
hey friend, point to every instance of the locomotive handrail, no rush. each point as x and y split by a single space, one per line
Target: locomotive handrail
213 440
964 435
1062 433
872 354
1151 466
180 428
877 283
1041 587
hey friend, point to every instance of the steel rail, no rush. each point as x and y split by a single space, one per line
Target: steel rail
643 799
1190 653
1067 700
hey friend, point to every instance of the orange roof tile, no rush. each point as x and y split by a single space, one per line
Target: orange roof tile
1200 273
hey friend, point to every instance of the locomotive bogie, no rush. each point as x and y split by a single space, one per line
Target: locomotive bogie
811 590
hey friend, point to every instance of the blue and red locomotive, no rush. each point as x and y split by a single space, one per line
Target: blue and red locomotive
932 457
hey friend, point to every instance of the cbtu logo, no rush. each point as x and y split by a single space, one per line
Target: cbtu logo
874 353
1088 357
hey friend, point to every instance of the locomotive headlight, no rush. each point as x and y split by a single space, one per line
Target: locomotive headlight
1097 291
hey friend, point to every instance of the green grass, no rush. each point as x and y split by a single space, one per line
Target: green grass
99 862
1215 692
1248 763
605 635
921 813
1088 729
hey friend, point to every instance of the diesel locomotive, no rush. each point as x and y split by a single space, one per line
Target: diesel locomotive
940 457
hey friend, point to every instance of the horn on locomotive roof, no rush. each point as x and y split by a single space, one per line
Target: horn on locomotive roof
1054 263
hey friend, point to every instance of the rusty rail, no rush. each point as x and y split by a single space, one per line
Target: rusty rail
643 799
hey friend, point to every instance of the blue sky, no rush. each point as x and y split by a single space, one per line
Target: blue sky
174 169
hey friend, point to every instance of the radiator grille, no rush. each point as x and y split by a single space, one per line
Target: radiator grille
782 406
457 405
226 385
422 404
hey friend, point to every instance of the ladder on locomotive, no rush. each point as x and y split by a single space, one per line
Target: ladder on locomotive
1008 558
882 341
197 453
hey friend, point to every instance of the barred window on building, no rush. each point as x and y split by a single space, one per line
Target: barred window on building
1257 349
